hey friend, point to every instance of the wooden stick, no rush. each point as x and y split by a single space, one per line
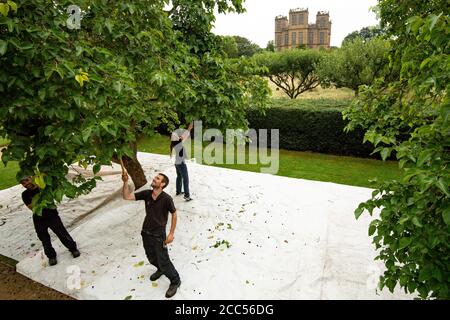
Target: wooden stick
123 167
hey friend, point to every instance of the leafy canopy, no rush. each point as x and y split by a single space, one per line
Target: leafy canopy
412 232
86 94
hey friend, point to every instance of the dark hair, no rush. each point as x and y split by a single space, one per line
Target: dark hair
165 179
23 178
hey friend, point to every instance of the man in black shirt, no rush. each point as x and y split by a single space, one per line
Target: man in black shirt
48 220
158 204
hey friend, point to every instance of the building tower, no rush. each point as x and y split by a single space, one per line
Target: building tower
296 32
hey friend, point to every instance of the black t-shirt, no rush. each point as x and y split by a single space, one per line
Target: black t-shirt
27 197
157 211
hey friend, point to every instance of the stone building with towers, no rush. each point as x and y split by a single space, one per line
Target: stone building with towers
297 32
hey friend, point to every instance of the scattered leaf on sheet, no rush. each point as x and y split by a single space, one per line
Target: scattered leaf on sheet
139 264
128 298
154 284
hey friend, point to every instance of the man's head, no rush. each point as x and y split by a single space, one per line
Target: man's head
160 181
27 182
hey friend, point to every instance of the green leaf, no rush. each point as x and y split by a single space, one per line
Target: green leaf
128 298
424 156
359 211
10 23
385 153
79 79
109 25
372 227
416 222
443 186
86 134
39 181
96 168
139 264
13 5
105 125
404 242
3 47
4 9
446 215
433 18
117 86
79 50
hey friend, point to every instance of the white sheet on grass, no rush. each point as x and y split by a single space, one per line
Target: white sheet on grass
290 239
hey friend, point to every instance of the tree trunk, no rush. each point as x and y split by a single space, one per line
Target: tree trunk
135 171
133 166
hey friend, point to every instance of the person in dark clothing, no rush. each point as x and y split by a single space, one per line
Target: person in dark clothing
176 143
48 220
158 204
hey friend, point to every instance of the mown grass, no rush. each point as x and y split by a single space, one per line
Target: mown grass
317 93
304 165
8 174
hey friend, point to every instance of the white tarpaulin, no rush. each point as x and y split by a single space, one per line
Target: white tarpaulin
280 238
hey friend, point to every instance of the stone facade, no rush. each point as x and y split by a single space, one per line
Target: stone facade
296 32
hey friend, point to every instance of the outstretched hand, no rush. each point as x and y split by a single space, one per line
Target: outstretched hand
124 172
124 176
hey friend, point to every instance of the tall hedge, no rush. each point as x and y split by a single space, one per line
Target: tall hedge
304 127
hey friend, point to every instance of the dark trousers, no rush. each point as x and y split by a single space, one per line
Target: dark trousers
158 255
182 178
41 225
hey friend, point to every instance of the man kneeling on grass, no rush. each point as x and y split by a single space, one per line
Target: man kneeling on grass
158 204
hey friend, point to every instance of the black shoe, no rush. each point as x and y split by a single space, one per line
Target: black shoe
187 198
75 253
178 193
52 261
156 275
172 289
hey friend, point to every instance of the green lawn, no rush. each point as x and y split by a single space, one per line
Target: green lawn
8 174
306 165
294 164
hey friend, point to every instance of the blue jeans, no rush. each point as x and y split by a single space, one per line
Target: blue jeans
182 178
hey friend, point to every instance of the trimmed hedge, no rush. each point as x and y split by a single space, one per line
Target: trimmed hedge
311 126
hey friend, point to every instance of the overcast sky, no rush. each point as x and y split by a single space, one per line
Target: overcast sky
258 23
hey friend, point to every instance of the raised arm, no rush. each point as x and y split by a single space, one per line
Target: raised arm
127 195
186 134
